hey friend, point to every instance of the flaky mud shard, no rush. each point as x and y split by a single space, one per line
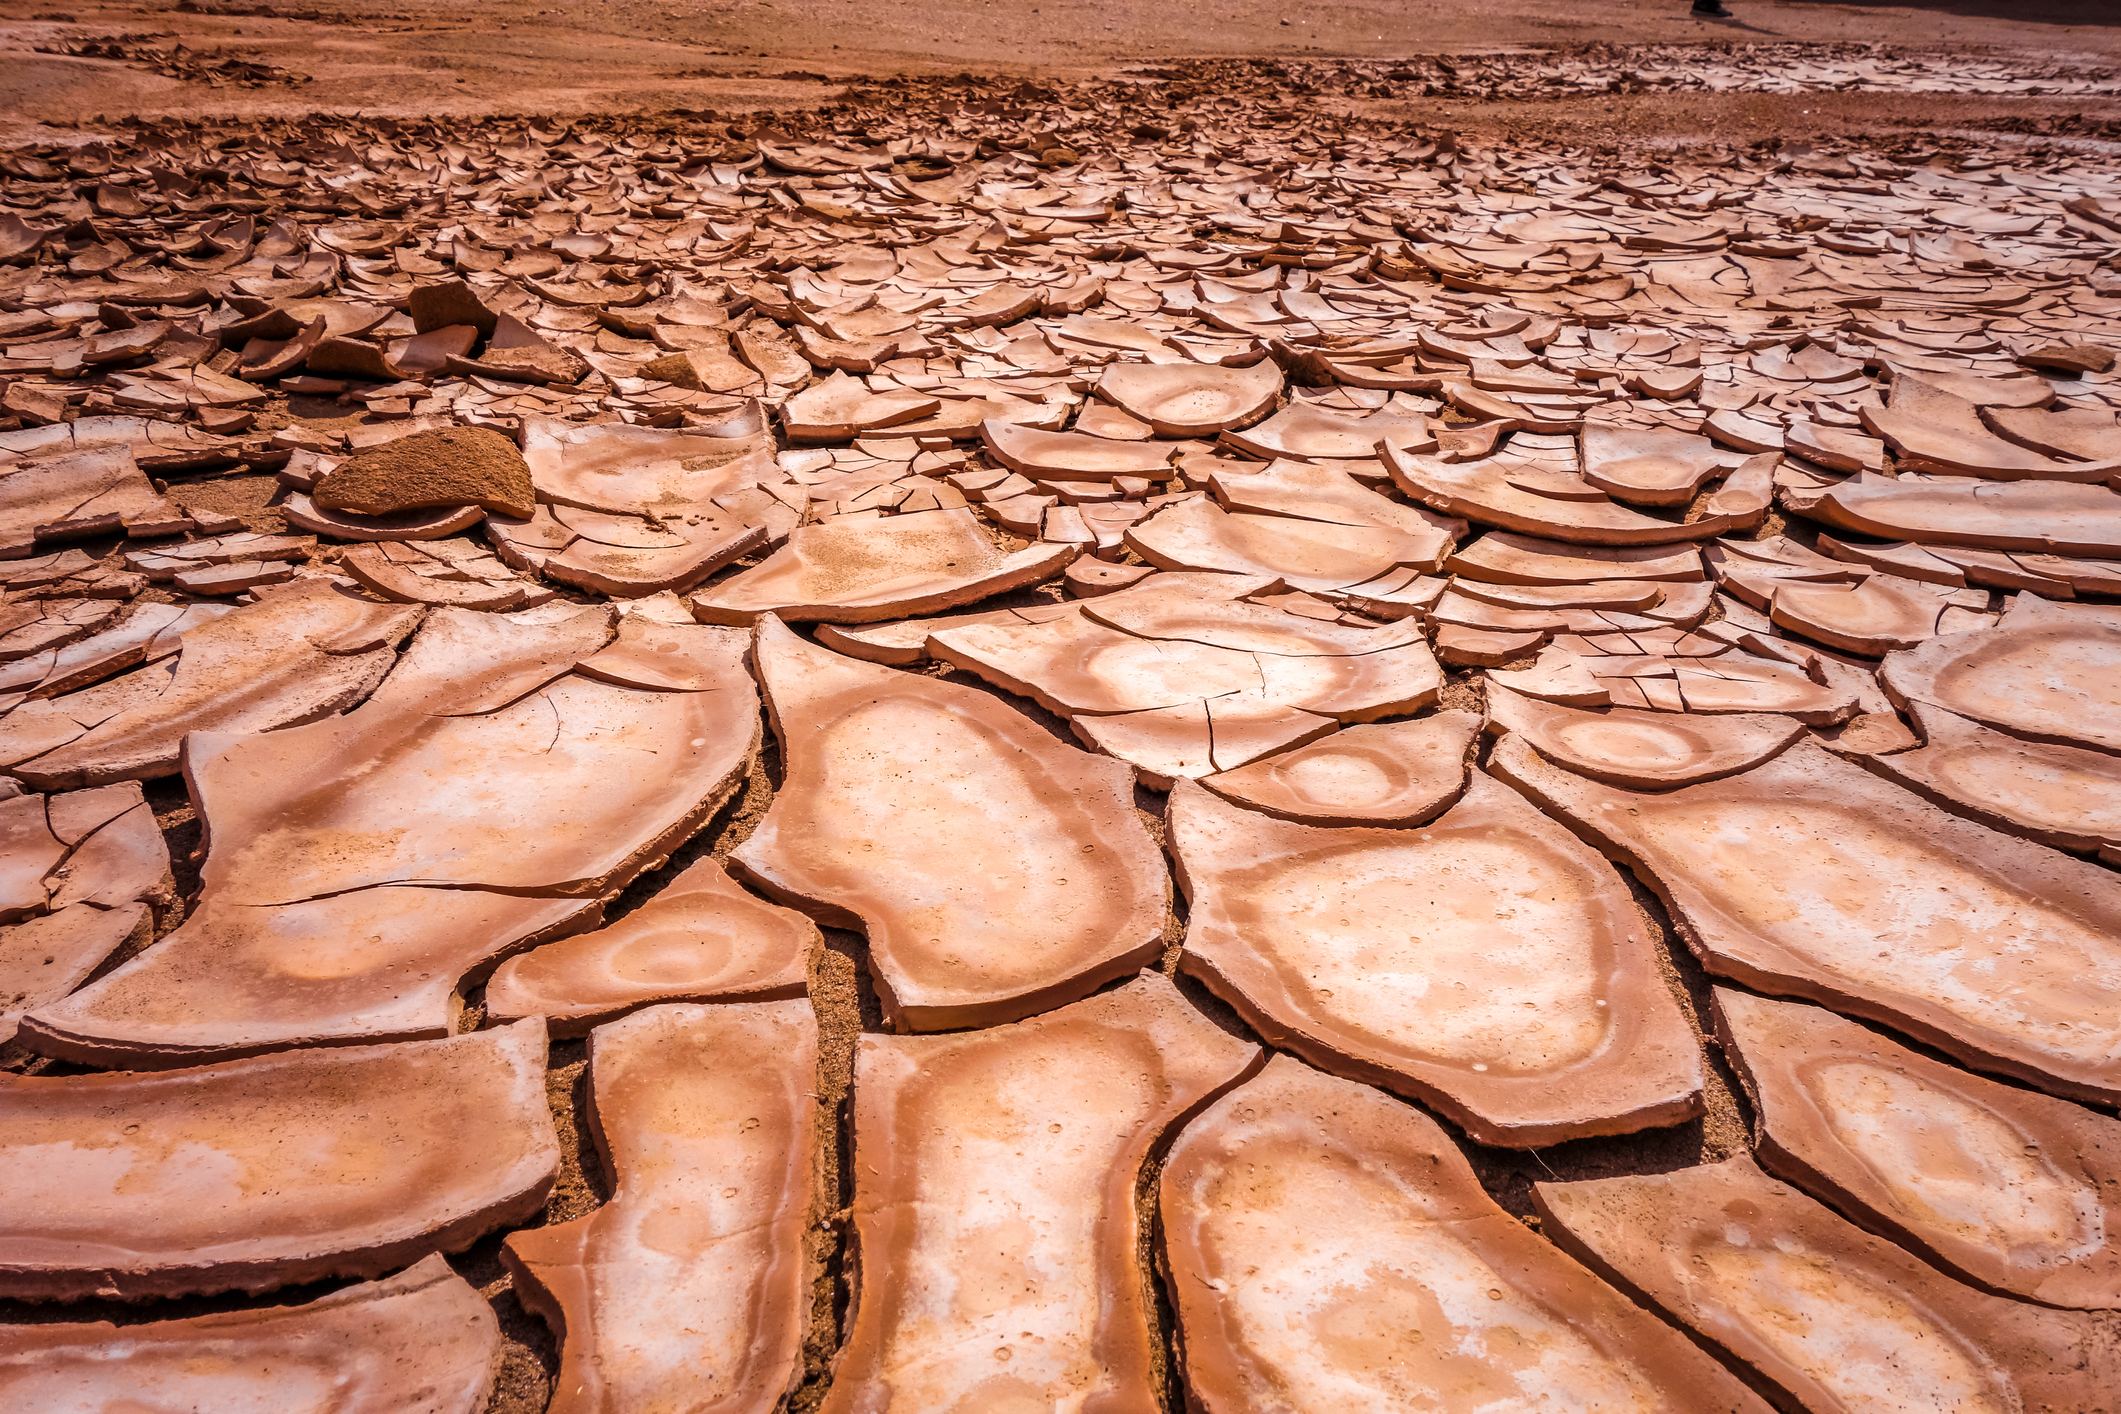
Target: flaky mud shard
1832 1316
861 571
1392 773
996 871
2016 1190
1329 1249
294 655
422 1341
1811 877
271 1171
994 1203
688 1288
699 938
1488 964
511 774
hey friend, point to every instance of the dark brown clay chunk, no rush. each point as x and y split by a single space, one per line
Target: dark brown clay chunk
454 466
1487 964
1392 773
1646 750
689 1289
2014 1190
270 1171
492 792
700 938
421 1342
995 1203
1809 876
1833 1317
1330 1249
995 871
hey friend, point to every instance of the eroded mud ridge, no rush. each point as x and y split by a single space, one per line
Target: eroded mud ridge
1007 750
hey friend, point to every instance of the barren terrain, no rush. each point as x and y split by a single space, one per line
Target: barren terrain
937 585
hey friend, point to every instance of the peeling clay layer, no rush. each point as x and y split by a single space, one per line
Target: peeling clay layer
1328 1249
1811 877
506 778
1830 1315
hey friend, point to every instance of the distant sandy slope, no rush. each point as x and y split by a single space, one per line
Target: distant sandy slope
426 57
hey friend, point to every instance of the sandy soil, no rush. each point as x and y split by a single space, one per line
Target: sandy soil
284 57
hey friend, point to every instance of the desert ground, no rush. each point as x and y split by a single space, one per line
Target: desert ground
881 706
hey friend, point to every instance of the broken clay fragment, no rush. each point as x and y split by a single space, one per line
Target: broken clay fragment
1330 1249
995 1206
1833 1317
2014 1190
1810 877
995 871
1487 964
1387 773
1192 399
857 570
1646 750
699 938
296 654
491 794
2048 675
689 1289
272 1170
421 1342
2060 795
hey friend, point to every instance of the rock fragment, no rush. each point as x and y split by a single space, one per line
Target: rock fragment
456 466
